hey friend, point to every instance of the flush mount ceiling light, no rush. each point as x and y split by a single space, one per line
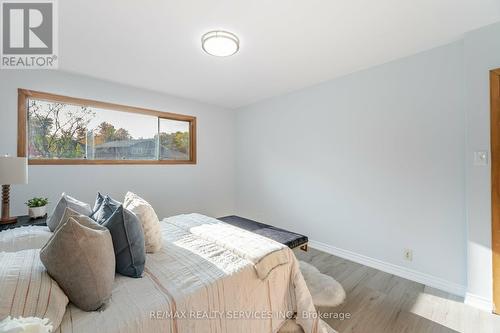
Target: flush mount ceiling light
220 43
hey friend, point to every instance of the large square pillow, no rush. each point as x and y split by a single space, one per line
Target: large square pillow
66 201
148 218
127 235
27 290
80 257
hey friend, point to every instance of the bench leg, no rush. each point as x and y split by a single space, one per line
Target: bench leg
304 247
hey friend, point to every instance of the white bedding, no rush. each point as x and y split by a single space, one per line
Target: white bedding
264 254
206 285
24 238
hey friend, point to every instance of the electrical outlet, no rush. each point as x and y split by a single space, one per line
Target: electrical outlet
408 254
480 158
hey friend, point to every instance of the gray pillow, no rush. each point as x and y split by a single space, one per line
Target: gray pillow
128 242
128 237
98 201
66 201
105 209
68 212
80 257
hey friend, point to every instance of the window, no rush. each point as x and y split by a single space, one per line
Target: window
56 129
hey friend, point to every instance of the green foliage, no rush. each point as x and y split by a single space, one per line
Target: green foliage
58 130
108 133
181 141
178 141
37 202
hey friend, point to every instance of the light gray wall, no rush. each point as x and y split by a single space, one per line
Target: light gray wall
374 162
482 53
207 187
371 163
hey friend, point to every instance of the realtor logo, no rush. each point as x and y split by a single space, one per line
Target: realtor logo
29 34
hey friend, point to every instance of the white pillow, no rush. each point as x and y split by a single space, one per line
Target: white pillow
24 238
67 201
148 218
28 290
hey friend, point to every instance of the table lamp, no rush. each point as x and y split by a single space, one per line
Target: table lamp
13 170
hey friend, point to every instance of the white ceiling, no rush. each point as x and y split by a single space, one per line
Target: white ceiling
285 44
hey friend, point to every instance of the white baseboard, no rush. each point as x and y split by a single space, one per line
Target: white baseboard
407 273
479 302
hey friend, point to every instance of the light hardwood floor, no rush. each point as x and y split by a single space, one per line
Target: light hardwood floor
379 302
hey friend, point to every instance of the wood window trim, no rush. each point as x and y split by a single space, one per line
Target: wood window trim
495 184
22 120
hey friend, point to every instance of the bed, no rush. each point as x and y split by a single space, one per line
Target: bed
208 277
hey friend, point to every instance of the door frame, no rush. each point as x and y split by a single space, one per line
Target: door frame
495 183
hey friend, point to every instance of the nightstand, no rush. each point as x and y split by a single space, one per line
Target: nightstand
24 220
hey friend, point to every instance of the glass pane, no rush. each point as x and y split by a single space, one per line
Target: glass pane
174 139
66 131
57 130
115 135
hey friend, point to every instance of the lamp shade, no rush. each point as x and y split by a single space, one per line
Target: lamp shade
13 170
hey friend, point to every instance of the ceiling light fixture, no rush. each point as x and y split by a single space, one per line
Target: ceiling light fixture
220 43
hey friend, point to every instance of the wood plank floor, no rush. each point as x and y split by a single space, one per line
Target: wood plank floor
379 302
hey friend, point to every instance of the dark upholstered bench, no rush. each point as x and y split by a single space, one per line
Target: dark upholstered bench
290 239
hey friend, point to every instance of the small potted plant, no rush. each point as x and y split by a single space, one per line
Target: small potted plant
37 207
